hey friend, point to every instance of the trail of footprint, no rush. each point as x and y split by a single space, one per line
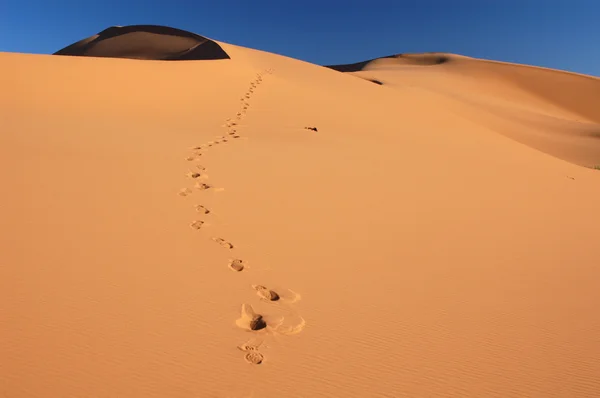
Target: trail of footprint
249 319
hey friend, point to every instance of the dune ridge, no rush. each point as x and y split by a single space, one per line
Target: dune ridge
148 42
162 221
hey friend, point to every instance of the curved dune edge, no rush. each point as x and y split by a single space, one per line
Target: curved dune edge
147 42
549 110
424 59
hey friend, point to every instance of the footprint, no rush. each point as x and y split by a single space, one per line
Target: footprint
265 293
250 319
223 243
254 357
193 174
202 186
194 157
246 347
185 192
236 265
202 209
197 224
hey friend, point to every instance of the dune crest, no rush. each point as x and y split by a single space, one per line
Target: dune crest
148 42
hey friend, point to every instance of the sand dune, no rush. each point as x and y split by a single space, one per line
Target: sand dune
173 229
149 42
553 111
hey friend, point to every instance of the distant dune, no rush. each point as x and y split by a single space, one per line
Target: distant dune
150 42
550 110
266 227
398 59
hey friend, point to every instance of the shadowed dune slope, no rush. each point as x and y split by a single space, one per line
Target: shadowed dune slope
149 42
559 109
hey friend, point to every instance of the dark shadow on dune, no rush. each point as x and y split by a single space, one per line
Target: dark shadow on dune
148 42
375 81
424 59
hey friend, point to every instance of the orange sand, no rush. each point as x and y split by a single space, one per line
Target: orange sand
438 235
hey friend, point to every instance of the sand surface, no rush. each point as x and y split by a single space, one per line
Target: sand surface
436 237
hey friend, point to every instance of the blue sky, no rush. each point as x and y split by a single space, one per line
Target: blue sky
552 33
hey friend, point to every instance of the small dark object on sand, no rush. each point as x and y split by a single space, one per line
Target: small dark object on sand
311 128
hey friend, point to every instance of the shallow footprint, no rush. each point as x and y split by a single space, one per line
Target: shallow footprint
254 357
248 346
202 209
197 224
236 265
265 293
185 192
223 243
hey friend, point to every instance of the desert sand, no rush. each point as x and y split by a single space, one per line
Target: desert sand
173 229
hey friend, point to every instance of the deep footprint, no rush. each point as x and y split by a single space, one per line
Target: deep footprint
250 319
265 293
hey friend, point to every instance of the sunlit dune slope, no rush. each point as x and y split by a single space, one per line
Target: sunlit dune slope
173 229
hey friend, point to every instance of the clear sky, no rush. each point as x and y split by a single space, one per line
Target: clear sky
559 34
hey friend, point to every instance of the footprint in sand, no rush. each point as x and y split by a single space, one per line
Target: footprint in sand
197 224
254 357
236 265
223 243
202 209
250 320
193 157
202 186
194 174
185 192
265 293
